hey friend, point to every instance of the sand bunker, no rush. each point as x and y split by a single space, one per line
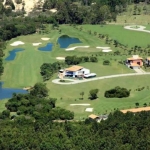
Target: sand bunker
80 104
73 48
89 109
103 47
36 44
17 43
60 58
45 39
106 50
53 10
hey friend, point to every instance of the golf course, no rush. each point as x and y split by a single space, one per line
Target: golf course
24 70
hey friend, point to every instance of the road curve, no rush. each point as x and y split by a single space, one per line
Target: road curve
72 81
140 28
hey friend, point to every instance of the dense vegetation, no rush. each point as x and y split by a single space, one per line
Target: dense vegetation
48 69
117 92
36 105
74 60
119 132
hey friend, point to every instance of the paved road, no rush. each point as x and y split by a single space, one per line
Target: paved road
57 81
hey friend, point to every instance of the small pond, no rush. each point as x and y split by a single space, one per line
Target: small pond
64 41
48 47
12 54
8 92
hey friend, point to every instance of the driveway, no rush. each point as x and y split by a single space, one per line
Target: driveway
72 81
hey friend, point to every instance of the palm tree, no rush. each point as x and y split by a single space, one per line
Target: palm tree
82 94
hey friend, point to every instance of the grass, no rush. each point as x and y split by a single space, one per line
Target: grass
2 104
124 36
70 94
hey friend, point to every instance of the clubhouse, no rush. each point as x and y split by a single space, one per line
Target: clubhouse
77 71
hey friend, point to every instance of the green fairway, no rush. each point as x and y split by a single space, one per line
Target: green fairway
2 104
124 36
70 94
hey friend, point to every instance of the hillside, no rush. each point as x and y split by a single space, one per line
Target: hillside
27 5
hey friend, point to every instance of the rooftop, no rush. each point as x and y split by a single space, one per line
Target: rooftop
135 57
74 68
134 65
93 116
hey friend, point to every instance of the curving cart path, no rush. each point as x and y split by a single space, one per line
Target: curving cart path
140 28
72 81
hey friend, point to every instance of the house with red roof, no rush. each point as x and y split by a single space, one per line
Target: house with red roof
134 62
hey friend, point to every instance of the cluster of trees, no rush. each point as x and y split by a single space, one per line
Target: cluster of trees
35 105
48 69
74 60
119 132
117 92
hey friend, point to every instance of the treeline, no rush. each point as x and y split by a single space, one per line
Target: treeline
74 60
48 69
119 132
36 105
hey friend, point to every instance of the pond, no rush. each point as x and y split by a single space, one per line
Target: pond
48 47
8 92
64 41
12 54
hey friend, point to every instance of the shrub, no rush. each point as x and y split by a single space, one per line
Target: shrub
117 92
106 62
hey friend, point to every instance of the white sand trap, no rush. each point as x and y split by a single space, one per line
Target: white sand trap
80 104
106 50
45 39
36 44
17 43
60 58
53 10
103 47
73 48
89 109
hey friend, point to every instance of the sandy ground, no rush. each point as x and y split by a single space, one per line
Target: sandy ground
106 50
17 43
36 44
136 109
89 109
60 58
73 48
137 28
103 47
80 104
53 10
45 39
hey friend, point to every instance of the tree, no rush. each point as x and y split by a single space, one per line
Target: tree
39 90
93 94
82 94
137 105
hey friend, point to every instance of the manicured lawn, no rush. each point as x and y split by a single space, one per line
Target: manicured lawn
70 94
2 104
117 32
